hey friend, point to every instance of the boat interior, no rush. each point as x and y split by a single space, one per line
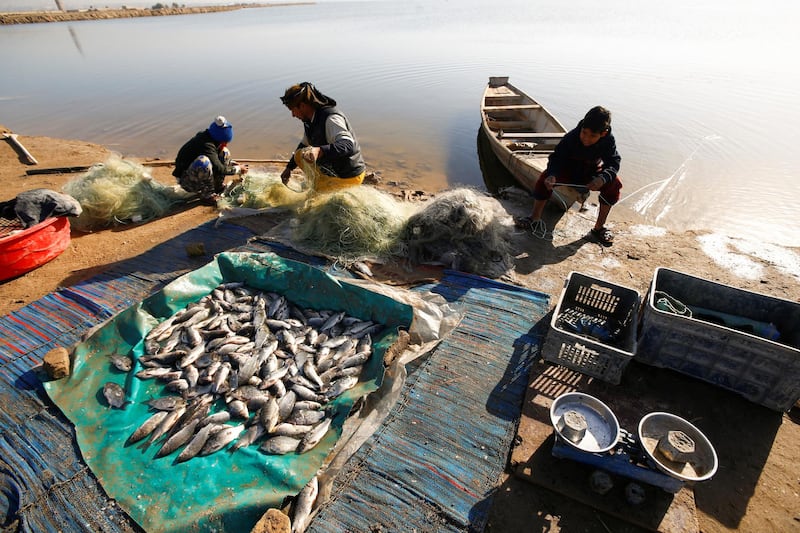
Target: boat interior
517 119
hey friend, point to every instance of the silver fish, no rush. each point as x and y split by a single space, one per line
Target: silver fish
250 436
273 377
166 358
286 404
192 356
307 404
177 385
121 362
191 374
166 403
332 321
178 439
311 373
166 424
279 445
277 324
275 307
114 394
193 336
287 429
220 439
269 415
335 342
238 409
248 347
221 376
150 373
278 389
356 359
339 386
304 392
196 444
302 506
215 419
147 427
306 417
312 438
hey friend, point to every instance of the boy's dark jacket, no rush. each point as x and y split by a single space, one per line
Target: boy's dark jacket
573 161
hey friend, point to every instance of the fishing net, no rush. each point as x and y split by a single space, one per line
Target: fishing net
119 191
351 224
463 230
258 190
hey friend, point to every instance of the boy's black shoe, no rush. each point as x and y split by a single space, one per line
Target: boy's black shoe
603 236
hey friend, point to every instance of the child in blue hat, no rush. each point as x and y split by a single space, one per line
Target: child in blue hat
204 161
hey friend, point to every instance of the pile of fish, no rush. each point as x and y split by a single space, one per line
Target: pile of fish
245 366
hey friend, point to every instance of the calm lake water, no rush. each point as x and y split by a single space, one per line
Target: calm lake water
703 95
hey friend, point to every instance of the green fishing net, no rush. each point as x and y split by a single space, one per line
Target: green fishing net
118 192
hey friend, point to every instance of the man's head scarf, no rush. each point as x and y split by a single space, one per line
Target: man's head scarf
306 92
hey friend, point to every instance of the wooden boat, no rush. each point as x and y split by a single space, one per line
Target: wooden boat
522 134
22 250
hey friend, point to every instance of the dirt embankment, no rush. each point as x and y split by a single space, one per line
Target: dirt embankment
33 17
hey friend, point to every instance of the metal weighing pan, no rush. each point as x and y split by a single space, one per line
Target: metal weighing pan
700 463
597 429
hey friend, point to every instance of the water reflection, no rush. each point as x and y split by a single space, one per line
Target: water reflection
495 175
74 36
410 76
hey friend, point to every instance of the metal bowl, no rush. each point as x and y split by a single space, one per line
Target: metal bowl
700 464
601 431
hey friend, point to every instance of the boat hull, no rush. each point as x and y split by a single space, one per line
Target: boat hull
521 132
33 247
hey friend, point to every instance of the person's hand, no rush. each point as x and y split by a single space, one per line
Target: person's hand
596 184
243 170
311 153
285 175
550 182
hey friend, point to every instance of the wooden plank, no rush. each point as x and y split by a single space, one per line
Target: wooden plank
511 107
529 135
19 146
500 124
154 163
532 460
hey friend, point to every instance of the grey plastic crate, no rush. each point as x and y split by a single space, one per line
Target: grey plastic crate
764 371
607 303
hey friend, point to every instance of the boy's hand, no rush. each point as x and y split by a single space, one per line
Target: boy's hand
596 184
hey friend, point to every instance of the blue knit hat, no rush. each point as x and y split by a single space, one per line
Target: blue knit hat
221 130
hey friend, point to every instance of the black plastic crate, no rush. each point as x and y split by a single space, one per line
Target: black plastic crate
593 328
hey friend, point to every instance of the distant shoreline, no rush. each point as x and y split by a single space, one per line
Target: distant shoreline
36 17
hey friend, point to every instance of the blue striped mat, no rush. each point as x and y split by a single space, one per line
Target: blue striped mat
436 461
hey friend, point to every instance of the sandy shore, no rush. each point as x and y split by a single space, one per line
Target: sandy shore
35 17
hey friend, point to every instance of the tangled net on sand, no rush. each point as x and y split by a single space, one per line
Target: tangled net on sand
351 224
120 191
259 190
463 230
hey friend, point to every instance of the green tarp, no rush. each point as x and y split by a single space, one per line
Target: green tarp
224 491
